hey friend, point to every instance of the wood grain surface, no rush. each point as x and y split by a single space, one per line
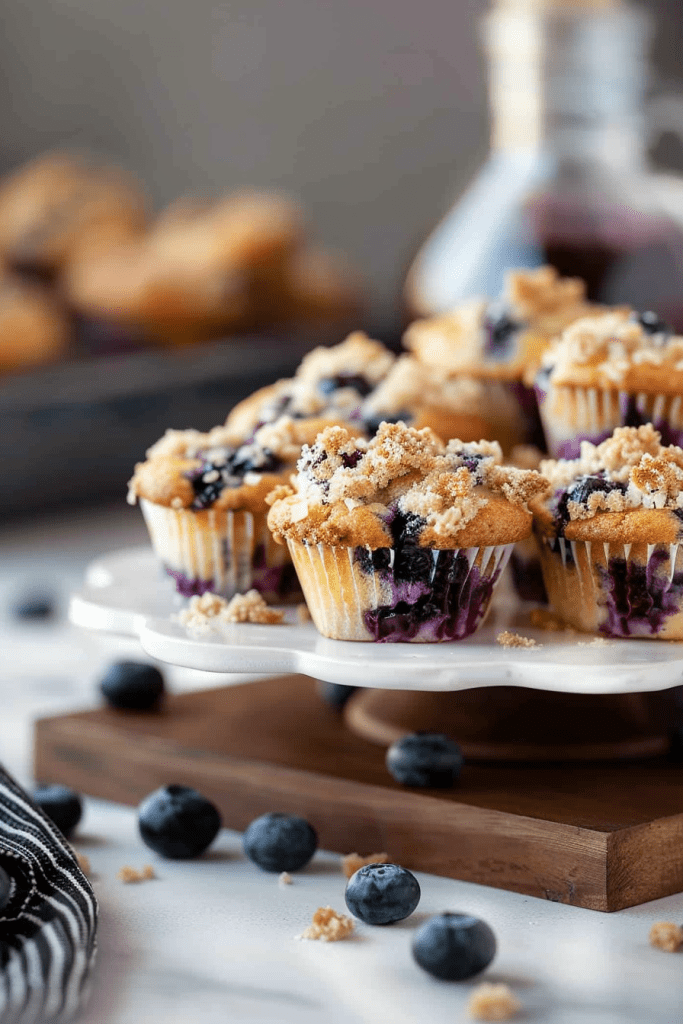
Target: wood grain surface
597 835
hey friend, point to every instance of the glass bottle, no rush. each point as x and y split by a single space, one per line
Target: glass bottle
567 181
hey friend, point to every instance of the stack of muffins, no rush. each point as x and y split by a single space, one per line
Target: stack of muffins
398 490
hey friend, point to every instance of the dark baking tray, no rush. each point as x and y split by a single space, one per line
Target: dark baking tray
72 433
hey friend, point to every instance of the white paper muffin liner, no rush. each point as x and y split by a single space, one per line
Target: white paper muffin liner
382 597
224 552
619 590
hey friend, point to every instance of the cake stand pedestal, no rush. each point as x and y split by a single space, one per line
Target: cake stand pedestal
597 834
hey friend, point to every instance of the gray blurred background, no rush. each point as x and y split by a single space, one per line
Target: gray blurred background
372 112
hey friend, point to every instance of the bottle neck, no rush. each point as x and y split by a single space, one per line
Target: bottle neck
568 83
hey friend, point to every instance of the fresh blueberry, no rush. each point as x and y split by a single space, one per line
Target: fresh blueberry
499 327
328 385
178 822
132 686
454 947
382 893
334 694
280 842
425 759
33 607
5 888
62 805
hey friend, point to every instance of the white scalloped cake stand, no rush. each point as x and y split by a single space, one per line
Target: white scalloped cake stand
125 593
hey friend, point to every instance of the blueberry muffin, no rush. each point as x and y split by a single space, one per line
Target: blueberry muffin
203 499
618 368
32 329
401 538
525 565
499 342
330 383
62 208
610 533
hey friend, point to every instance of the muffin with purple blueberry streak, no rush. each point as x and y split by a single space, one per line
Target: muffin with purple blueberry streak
618 368
401 538
610 536
500 342
203 499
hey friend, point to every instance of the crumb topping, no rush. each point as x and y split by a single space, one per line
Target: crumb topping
352 862
131 875
630 470
204 613
506 333
411 384
613 349
493 1002
329 926
508 639
667 936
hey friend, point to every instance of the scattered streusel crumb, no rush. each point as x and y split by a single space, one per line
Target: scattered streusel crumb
204 612
328 925
285 878
508 639
302 614
598 641
493 1002
353 861
667 936
82 861
128 874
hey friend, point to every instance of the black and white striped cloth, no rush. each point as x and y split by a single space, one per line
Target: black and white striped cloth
49 925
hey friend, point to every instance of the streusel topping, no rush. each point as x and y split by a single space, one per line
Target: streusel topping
411 384
616 349
348 486
629 470
502 337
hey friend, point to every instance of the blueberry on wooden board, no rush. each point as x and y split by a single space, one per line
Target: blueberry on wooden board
62 805
280 842
382 893
454 947
425 759
178 822
132 686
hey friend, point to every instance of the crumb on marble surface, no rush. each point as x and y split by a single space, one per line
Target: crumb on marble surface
493 1002
667 936
130 875
352 862
285 878
328 926
206 611
508 639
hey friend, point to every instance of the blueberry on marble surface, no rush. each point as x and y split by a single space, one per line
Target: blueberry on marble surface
132 686
178 822
382 893
62 805
33 607
425 759
334 694
454 947
5 888
280 842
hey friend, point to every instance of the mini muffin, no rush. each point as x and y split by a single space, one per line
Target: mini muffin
420 395
330 383
498 342
615 369
203 499
61 208
610 536
401 538
32 329
525 564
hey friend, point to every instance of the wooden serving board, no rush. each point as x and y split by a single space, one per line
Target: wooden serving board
600 836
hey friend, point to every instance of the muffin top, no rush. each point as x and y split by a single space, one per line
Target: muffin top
618 349
627 489
330 383
219 470
33 330
501 339
350 492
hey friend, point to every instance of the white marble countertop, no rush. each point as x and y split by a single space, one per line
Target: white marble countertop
213 940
